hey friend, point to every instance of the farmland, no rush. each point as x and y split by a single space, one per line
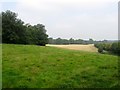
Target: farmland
89 47
32 66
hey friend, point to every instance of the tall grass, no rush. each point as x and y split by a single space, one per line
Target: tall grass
30 66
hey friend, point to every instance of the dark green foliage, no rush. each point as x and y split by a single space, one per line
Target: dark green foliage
105 43
100 50
91 41
113 48
14 31
12 28
36 34
70 41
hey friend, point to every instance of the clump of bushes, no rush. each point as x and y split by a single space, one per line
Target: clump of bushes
113 48
100 50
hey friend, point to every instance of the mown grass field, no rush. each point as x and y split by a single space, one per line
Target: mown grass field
30 66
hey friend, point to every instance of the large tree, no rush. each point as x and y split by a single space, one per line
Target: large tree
12 28
14 31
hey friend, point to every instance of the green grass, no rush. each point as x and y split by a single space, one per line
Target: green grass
30 66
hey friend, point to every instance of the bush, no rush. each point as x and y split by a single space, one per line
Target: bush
100 49
113 48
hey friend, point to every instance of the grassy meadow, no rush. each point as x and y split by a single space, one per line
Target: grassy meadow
31 66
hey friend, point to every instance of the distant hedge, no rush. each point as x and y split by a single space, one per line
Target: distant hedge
110 47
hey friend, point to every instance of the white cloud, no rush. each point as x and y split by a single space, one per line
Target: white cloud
72 18
53 4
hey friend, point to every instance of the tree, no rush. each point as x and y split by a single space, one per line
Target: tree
12 28
58 41
14 31
91 41
71 41
51 41
40 34
36 34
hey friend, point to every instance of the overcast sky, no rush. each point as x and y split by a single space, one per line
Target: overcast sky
97 19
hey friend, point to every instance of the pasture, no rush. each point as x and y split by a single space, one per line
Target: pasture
31 66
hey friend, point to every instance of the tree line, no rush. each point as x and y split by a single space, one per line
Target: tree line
69 41
75 41
15 31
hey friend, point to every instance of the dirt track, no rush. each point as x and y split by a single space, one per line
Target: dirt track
89 47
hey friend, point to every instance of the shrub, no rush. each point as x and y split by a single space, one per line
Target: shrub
100 49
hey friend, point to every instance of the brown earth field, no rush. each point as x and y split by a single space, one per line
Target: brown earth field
89 47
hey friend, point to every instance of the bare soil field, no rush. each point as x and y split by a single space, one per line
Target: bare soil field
89 47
